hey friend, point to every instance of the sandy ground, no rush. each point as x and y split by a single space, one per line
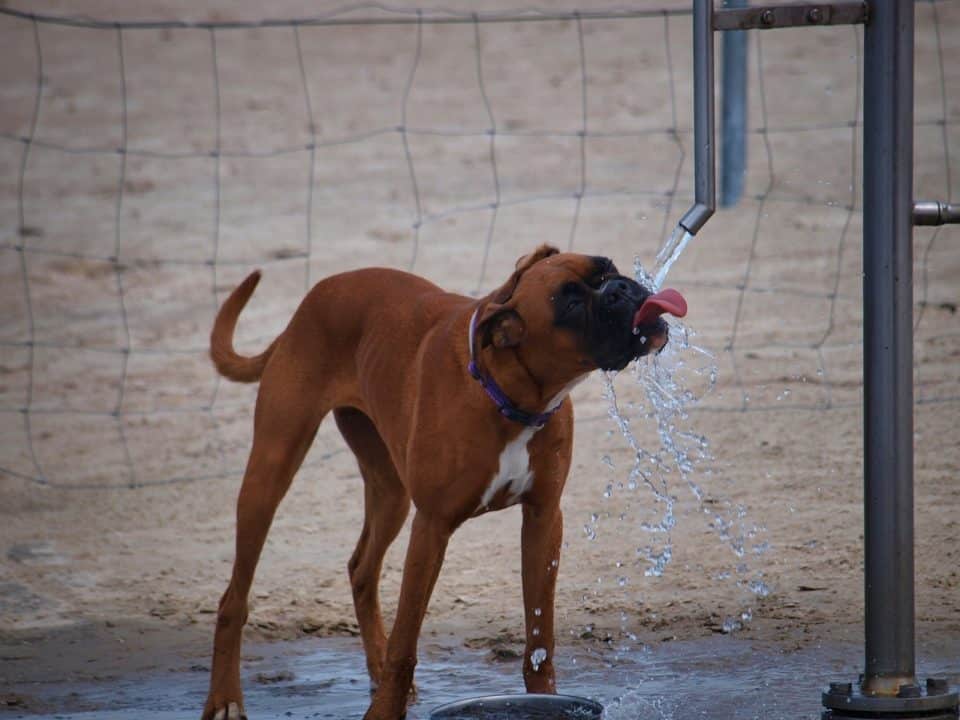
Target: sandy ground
98 576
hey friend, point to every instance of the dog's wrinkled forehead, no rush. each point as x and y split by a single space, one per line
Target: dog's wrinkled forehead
566 267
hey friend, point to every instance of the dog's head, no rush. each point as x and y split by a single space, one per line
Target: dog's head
575 313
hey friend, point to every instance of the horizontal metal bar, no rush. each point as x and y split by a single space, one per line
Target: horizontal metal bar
934 212
851 12
399 16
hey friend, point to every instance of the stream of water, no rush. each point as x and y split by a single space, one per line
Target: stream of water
671 461
668 255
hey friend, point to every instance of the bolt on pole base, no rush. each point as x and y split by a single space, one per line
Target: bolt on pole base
932 701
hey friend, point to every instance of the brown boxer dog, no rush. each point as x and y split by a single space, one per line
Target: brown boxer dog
454 404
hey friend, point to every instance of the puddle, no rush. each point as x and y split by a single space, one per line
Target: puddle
720 677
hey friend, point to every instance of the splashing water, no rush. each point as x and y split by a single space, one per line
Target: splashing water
666 402
633 705
671 383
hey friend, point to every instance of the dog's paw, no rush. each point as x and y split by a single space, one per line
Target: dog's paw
224 711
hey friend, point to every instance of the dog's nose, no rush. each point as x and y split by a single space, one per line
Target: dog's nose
618 291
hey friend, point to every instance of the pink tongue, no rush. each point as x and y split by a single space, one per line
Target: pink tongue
665 301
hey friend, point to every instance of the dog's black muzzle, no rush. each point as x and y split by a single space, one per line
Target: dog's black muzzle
615 341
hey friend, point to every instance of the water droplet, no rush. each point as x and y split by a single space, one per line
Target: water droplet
537 658
730 625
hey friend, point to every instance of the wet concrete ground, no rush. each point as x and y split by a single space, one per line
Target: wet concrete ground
719 677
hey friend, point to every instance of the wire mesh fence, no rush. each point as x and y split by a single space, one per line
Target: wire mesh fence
149 165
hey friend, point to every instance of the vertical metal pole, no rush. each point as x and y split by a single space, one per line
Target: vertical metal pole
888 347
704 152
888 687
733 113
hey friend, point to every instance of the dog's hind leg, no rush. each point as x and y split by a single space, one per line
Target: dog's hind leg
285 424
386 504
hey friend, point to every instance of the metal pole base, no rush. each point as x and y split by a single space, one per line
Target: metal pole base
934 701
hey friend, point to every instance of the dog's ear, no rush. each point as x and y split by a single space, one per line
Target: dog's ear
500 326
544 251
499 323
505 291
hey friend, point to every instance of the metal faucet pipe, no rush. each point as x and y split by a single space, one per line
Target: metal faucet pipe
705 181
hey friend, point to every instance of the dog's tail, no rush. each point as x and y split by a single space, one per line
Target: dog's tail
225 358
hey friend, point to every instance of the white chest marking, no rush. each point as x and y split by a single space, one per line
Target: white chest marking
514 471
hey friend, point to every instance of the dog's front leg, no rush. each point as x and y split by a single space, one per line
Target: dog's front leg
541 537
428 542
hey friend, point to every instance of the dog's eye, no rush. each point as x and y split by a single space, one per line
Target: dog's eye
603 268
571 297
597 279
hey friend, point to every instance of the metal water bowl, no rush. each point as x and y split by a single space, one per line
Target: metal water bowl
520 707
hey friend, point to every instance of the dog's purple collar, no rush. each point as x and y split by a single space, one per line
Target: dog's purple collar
499 397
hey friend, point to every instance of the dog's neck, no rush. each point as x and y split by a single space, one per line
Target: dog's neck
516 391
